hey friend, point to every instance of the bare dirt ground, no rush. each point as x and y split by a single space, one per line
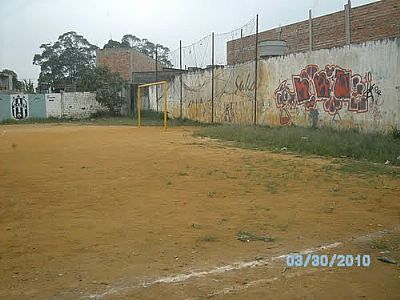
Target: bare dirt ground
127 213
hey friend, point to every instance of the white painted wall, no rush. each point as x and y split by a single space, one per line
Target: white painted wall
53 105
79 105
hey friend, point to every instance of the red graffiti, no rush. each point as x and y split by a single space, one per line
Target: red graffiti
342 84
322 85
334 86
302 88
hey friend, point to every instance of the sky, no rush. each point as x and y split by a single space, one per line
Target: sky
26 24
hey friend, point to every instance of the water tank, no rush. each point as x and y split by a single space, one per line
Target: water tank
272 48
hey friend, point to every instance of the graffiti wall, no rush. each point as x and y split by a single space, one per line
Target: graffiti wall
354 86
233 94
335 87
69 105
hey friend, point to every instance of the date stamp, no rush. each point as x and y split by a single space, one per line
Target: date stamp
323 260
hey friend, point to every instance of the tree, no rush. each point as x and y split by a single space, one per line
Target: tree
65 60
107 85
17 85
130 41
27 87
144 46
113 44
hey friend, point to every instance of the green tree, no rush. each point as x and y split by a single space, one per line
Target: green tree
113 44
27 87
144 46
66 59
107 85
130 41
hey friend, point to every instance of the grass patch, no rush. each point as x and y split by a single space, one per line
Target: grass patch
183 174
365 167
271 188
245 236
36 121
209 238
148 117
211 194
325 141
380 244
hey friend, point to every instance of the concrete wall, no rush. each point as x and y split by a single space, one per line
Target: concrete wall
374 21
68 105
53 105
352 86
79 105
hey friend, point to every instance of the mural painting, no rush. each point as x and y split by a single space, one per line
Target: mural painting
19 107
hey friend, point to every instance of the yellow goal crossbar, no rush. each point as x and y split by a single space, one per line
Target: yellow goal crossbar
164 83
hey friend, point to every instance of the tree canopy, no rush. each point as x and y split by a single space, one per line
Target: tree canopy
106 84
142 45
65 60
68 59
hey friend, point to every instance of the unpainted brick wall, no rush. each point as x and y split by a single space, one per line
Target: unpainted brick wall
369 22
125 61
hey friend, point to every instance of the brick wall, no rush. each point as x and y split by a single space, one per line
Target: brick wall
125 61
373 21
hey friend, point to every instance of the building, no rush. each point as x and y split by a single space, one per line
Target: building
136 68
126 61
374 21
6 82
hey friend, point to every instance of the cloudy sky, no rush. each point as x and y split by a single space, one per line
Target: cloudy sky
26 24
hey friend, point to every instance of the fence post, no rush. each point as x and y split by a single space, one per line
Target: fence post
156 77
180 67
256 74
347 25
165 105
310 32
212 79
241 45
139 107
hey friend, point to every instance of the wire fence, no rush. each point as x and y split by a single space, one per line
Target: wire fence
217 81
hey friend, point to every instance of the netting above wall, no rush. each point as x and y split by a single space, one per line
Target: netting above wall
199 54
219 81
223 41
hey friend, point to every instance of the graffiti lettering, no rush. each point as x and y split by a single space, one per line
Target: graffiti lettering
229 114
244 85
334 86
302 88
342 84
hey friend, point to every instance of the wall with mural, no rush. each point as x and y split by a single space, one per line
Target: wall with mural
352 86
68 105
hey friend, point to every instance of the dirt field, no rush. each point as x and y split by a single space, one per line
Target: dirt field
127 213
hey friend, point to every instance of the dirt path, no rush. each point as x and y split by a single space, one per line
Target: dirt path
85 210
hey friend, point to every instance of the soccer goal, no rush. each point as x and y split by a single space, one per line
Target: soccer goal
139 101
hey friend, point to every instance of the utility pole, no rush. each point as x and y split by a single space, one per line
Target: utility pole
241 45
180 67
157 77
212 79
310 31
256 74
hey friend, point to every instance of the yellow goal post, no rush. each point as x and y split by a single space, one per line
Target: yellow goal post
139 101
